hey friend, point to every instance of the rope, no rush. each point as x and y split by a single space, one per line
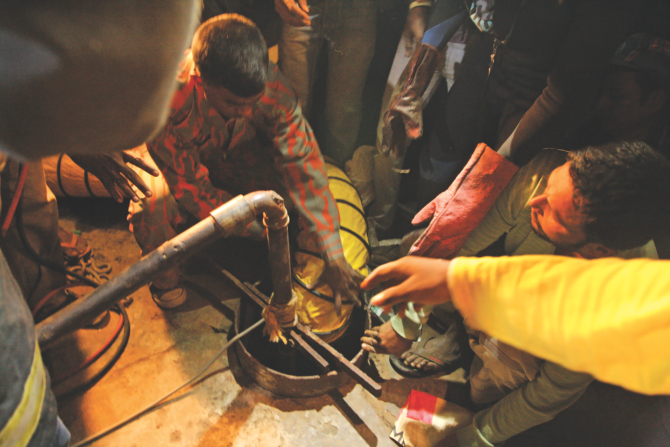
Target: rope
88 268
279 317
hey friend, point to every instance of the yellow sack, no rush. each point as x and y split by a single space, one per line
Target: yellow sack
312 310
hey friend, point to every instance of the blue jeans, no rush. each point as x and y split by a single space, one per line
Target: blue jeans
349 29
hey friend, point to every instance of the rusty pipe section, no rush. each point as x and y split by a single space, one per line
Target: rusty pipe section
228 219
275 219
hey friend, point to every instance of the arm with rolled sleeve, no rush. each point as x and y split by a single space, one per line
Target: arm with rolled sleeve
536 402
301 163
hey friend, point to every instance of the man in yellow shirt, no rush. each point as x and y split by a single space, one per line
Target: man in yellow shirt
608 318
601 201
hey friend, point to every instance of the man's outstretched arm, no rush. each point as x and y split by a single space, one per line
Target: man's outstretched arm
606 317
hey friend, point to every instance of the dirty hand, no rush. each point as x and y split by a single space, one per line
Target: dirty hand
415 279
114 173
415 26
343 280
385 340
293 12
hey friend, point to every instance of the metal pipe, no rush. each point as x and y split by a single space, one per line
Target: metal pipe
276 221
228 219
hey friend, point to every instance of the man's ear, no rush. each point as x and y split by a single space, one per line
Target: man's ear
657 100
595 251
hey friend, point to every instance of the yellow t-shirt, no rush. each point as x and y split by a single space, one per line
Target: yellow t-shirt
607 317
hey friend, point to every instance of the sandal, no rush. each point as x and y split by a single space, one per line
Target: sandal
446 351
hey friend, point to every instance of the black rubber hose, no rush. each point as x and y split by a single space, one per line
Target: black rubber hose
316 293
61 269
117 355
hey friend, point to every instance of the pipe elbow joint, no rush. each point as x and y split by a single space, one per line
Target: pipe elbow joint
271 205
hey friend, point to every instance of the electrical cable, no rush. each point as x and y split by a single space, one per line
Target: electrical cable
96 355
158 401
23 174
117 355
16 209
122 312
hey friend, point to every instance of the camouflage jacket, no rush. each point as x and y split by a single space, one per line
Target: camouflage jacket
206 161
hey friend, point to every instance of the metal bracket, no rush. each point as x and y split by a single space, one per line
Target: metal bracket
309 342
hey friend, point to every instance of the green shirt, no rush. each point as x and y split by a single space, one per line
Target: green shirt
510 214
555 388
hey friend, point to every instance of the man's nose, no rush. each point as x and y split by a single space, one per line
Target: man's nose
538 201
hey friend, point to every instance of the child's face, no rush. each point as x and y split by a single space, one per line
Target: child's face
227 104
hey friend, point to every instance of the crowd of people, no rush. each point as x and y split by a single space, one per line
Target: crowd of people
539 128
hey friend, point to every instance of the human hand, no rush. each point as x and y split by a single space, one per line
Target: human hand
115 175
343 280
415 26
293 12
415 279
385 340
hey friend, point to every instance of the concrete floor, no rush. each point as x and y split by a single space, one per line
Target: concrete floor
167 348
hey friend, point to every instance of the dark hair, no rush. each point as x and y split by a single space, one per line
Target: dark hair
624 190
229 51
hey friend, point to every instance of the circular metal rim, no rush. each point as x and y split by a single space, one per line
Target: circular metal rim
283 384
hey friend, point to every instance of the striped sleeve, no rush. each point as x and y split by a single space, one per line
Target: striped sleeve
301 163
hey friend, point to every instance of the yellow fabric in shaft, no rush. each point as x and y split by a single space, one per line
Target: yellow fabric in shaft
312 310
609 317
